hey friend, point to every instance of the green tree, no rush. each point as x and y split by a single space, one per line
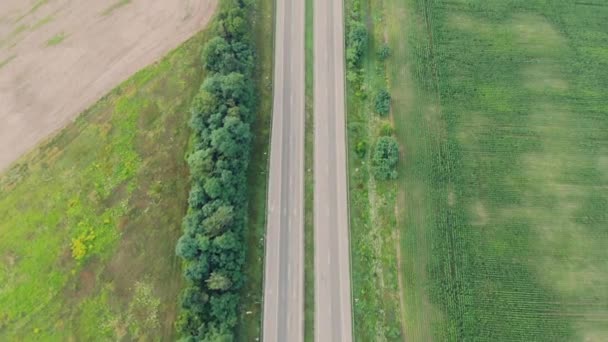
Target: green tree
200 163
218 56
213 187
194 299
218 335
203 243
232 23
224 309
197 270
218 281
203 106
219 221
232 89
244 56
187 247
230 139
192 221
197 197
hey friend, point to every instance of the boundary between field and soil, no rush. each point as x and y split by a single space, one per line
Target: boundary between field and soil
103 173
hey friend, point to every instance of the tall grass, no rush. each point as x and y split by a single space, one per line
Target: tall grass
250 317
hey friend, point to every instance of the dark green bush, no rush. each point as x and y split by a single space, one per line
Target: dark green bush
385 158
382 102
361 148
384 52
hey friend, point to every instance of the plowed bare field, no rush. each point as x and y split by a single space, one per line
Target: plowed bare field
57 57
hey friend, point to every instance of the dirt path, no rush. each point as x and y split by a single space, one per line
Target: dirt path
57 57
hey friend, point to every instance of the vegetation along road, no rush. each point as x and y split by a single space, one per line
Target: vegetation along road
284 273
332 267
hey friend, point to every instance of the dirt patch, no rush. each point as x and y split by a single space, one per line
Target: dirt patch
10 259
86 284
42 87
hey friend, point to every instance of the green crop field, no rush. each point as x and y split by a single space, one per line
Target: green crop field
89 220
501 110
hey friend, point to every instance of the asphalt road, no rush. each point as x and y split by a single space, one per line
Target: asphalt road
284 272
333 317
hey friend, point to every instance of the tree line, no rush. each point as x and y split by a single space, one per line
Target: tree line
212 245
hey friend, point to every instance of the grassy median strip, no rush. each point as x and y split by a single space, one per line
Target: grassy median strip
309 248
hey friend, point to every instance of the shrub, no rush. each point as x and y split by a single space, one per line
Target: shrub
387 129
361 148
384 52
386 156
382 102
82 244
356 43
143 311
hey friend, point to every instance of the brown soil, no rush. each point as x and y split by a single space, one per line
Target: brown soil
46 81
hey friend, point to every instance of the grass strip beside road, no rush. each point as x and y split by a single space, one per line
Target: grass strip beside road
250 318
309 248
372 203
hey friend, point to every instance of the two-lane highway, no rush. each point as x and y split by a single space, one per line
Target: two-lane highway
333 317
284 273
